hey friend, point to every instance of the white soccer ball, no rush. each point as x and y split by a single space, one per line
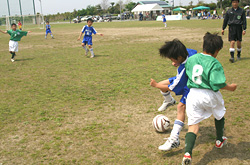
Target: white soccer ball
161 123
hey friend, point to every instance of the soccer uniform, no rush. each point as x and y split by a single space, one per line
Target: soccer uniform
164 18
15 36
178 84
19 25
236 20
205 78
87 39
48 30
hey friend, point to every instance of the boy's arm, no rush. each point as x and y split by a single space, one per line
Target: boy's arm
79 36
230 87
162 87
4 32
100 34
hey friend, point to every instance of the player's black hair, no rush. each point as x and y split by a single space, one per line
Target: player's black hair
47 21
212 43
235 0
13 24
90 19
173 49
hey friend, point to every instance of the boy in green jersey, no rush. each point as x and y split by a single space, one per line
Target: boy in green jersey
205 79
15 36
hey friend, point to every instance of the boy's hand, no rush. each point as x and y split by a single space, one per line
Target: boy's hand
153 83
222 32
78 38
101 34
244 32
233 87
29 31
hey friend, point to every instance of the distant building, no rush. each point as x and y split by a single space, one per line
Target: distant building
163 4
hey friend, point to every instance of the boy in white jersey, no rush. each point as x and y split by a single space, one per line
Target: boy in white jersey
177 52
205 79
87 39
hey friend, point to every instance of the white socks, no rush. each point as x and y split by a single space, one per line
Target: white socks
231 50
84 47
167 96
176 129
92 52
165 24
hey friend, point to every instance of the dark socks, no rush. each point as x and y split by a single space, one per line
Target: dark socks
219 125
232 54
189 142
238 54
13 55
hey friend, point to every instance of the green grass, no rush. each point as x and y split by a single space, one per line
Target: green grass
59 107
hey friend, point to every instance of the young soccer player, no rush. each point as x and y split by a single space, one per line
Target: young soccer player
205 79
87 39
15 36
19 25
164 19
178 54
48 30
235 18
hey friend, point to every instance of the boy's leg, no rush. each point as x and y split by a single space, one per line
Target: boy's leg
220 140
173 140
51 35
85 48
168 99
46 35
13 54
91 51
189 143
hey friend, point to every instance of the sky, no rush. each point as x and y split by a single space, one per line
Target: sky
61 6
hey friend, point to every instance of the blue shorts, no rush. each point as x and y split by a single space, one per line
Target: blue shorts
164 20
184 91
87 40
48 31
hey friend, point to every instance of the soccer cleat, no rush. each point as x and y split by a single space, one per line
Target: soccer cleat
92 56
231 60
12 60
169 144
238 58
186 159
219 144
86 53
166 104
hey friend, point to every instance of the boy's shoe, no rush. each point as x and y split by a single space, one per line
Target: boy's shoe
231 60
92 56
219 144
166 104
186 159
169 144
12 60
86 53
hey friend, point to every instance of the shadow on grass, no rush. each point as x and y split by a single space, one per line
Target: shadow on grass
244 58
101 56
25 59
240 151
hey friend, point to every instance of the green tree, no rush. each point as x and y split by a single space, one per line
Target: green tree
130 6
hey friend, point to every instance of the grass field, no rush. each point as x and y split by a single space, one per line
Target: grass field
59 107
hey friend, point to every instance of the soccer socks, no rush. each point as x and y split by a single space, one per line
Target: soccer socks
189 142
176 129
92 52
167 96
231 50
219 125
13 55
84 47
52 35
165 24
238 52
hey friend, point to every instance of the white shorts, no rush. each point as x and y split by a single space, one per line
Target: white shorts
202 103
13 46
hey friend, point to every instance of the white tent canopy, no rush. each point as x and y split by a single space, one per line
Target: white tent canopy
147 7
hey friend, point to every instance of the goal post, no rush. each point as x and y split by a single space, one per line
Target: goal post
28 21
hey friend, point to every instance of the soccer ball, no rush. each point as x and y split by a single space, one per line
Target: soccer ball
161 123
